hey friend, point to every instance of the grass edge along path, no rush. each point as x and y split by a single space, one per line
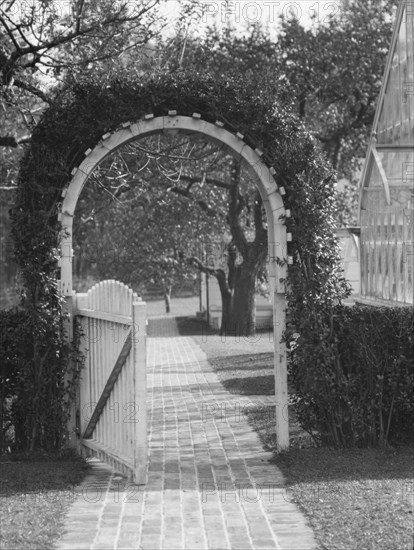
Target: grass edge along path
36 491
354 499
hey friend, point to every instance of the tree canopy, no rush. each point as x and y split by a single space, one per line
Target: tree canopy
331 74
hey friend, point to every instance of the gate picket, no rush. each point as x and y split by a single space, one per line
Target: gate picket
109 386
112 396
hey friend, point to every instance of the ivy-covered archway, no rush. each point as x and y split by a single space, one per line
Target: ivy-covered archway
90 120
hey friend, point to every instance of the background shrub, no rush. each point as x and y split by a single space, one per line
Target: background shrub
354 379
13 348
34 384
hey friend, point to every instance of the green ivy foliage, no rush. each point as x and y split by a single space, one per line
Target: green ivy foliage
32 358
83 112
12 361
354 381
35 391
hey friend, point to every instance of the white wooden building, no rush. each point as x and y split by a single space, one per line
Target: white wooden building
387 181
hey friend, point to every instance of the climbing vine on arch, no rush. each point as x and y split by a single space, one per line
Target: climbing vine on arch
80 115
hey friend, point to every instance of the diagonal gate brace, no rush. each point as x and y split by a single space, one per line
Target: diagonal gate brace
126 348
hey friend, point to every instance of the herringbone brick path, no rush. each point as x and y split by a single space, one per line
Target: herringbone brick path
210 484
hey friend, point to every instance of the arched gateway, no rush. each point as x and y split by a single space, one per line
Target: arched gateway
269 191
88 122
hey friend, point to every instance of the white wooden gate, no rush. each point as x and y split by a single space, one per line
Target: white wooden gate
112 415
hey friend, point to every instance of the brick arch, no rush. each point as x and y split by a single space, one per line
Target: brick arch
272 199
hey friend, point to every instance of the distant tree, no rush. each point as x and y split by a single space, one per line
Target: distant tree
334 70
246 255
331 73
42 41
177 197
142 239
49 42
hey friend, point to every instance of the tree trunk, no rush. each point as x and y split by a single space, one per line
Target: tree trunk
167 298
243 312
226 312
226 300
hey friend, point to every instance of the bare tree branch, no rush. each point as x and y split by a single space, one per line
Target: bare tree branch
196 262
33 41
32 89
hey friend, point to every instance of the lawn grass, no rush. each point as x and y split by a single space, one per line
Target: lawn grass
179 306
354 499
35 493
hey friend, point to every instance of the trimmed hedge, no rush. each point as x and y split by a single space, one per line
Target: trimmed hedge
361 390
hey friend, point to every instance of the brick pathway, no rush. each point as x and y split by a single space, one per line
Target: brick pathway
210 485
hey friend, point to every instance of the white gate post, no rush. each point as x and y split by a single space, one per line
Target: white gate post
277 249
139 319
280 359
69 309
